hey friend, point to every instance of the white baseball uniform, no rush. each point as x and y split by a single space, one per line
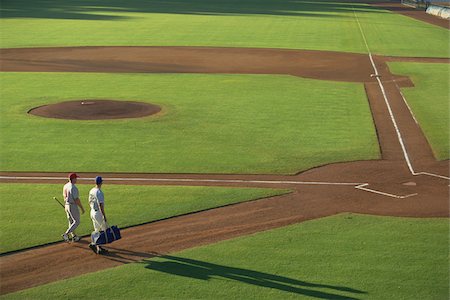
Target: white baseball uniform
95 198
70 194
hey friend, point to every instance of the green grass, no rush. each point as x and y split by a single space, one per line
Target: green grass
398 35
340 257
301 24
429 100
30 217
210 124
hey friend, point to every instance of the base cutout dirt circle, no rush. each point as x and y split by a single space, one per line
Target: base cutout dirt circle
90 109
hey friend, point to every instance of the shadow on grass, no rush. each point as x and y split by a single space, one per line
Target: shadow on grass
110 10
204 271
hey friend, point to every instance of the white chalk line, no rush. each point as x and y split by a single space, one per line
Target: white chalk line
431 174
406 103
364 188
187 180
417 123
409 5
241 181
380 84
360 186
394 122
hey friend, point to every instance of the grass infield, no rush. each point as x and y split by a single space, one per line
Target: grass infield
301 24
429 100
341 257
45 220
209 124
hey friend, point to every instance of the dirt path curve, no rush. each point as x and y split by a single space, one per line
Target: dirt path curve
383 187
411 12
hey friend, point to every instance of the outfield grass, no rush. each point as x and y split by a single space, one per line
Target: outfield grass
30 217
399 35
341 257
429 100
210 124
301 24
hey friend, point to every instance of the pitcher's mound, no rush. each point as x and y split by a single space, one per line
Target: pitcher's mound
95 110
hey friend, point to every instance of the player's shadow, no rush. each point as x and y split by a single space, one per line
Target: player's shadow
117 254
205 271
127 256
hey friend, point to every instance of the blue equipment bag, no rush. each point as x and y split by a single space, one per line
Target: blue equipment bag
110 235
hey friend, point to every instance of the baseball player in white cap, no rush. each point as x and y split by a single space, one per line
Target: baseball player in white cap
71 204
98 217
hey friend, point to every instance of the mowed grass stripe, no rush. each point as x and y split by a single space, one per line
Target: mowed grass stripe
302 24
341 257
30 217
429 101
209 124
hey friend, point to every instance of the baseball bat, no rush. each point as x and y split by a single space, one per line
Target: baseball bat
59 202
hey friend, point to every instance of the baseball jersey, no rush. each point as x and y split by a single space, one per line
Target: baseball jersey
70 193
95 198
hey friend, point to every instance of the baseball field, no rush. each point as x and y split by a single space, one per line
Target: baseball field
249 149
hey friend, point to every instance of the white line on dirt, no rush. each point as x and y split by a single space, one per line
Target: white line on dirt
434 175
397 130
188 180
360 186
364 188
380 84
394 122
406 103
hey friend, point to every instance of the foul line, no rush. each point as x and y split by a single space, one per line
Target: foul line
360 186
394 122
380 84
363 187
188 180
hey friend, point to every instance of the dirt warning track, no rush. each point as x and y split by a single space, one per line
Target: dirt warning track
406 181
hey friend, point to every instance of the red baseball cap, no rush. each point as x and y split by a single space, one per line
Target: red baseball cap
73 175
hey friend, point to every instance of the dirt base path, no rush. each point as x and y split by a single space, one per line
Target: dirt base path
325 65
407 181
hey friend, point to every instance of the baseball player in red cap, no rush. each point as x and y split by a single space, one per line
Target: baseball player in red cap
71 204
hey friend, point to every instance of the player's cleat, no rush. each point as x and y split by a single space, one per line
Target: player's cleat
102 251
75 238
93 248
66 238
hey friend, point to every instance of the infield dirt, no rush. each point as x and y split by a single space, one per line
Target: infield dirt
318 192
